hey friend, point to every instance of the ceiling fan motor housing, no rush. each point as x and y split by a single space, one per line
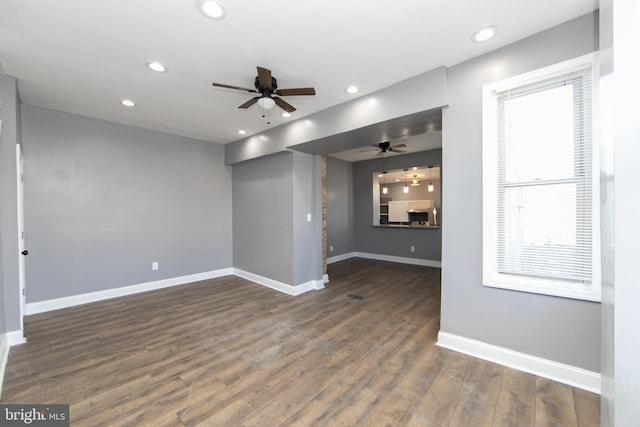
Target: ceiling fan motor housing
265 91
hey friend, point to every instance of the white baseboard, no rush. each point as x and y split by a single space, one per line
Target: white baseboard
280 286
566 374
340 257
15 338
65 302
402 260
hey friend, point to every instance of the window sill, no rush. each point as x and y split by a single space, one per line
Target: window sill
554 288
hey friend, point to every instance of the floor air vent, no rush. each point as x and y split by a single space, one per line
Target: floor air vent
355 296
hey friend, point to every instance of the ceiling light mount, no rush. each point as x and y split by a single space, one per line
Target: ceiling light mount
157 67
485 34
212 9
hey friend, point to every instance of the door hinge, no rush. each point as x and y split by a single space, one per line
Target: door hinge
24 292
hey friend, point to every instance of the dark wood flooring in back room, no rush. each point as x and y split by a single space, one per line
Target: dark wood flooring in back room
228 352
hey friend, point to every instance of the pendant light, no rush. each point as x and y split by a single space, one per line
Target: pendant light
385 189
430 186
406 184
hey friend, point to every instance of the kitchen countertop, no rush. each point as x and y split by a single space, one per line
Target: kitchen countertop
425 227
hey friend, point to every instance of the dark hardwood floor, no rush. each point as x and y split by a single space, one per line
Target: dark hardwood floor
228 352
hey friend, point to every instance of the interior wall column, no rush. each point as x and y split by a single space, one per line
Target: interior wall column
323 172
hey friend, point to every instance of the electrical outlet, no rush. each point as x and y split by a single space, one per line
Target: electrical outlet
155 265
331 248
413 248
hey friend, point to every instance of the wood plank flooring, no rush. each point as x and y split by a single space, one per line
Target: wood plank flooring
228 352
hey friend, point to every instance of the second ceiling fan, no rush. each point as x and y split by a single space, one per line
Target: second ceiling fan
266 85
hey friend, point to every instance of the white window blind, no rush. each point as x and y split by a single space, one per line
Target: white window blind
544 197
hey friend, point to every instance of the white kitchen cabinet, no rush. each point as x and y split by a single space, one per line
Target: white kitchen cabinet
399 211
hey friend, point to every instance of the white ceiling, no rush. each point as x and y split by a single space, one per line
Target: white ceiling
83 56
424 142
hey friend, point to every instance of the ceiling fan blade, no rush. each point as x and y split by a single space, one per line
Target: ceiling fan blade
396 151
284 105
264 77
296 91
250 102
234 87
398 146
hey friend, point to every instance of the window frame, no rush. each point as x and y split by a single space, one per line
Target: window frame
490 152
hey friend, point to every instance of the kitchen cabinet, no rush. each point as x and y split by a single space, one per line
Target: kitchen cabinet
399 211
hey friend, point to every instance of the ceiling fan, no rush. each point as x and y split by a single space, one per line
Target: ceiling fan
266 85
386 146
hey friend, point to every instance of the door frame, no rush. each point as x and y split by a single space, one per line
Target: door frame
22 286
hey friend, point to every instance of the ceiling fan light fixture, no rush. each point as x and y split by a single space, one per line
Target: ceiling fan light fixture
211 9
266 102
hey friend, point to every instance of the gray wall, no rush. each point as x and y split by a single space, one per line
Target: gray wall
103 201
559 329
391 241
396 192
11 130
272 238
263 217
339 188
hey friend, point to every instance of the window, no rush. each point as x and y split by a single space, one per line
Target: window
539 197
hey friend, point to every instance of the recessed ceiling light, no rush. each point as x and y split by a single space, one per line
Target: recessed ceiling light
211 9
352 89
484 34
128 103
156 66
285 114
242 132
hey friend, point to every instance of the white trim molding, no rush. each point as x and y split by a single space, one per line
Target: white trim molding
560 372
399 259
341 257
280 286
15 338
71 301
